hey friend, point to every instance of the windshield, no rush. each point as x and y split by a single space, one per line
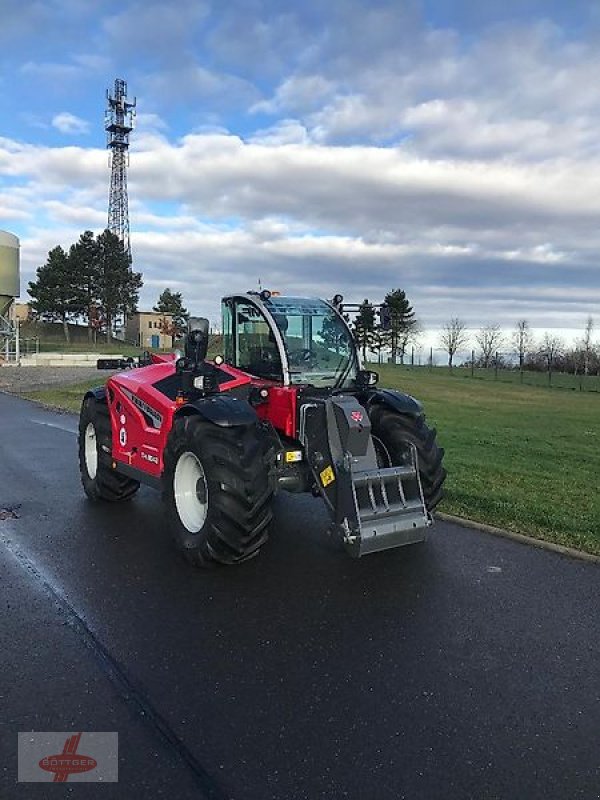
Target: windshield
319 347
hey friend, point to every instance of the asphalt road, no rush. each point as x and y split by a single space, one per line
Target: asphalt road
465 668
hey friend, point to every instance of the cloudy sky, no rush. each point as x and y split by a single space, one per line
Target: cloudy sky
448 148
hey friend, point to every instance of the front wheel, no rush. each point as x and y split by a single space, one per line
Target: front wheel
218 491
100 481
395 434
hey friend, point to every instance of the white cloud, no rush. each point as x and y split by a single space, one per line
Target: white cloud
216 213
376 152
68 123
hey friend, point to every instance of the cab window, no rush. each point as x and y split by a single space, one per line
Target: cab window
256 350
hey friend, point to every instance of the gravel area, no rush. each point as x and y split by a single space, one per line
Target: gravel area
27 379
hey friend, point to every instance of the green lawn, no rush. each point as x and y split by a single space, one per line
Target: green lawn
65 397
520 457
557 380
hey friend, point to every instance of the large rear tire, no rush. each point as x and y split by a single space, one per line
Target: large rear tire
218 490
393 435
100 481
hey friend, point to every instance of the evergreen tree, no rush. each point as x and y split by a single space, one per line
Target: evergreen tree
55 294
364 326
117 283
85 263
379 341
171 303
403 325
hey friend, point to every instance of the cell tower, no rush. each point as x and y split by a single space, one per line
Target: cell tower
118 123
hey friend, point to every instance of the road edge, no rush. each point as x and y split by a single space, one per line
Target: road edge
522 538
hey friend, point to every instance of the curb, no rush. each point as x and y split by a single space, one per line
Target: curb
571 552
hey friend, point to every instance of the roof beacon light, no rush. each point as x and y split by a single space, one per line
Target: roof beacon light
337 300
265 295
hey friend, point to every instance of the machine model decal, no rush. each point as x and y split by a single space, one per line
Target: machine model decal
153 415
150 458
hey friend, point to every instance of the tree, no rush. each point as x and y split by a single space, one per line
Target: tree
85 264
118 285
168 327
552 347
364 326
171 303
489 340
453 337
379 341
55 294
587 345
402 322
522 340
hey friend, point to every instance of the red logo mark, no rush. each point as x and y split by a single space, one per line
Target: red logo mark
357 416
68 762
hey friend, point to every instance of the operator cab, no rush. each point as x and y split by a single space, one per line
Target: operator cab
290 340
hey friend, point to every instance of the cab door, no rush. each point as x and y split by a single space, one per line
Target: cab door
249 341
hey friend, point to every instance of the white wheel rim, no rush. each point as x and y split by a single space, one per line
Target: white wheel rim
91 450
191 492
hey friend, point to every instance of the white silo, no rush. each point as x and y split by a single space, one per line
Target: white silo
9 271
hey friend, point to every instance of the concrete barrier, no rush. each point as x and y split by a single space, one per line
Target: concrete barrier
62 359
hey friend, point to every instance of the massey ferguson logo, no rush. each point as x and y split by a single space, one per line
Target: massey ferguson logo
357 416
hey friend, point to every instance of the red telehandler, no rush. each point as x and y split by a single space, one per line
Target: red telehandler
286 406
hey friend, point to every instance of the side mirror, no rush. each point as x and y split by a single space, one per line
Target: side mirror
366 378
196 341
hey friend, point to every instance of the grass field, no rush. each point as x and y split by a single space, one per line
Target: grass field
556 380
520 457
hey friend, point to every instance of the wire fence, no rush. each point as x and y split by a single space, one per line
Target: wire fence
501 367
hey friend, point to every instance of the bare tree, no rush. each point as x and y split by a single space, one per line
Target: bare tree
587 345
522 340
408 337
552 347
489 340
453 336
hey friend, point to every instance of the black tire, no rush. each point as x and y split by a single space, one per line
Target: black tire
101 483
229 510
396 432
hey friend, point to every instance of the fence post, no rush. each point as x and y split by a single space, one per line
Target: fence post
472 363
412 356
496 367
431 358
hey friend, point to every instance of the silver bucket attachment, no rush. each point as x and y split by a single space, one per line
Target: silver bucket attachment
390 509
373 508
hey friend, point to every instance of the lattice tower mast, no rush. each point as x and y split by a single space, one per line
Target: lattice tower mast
118 124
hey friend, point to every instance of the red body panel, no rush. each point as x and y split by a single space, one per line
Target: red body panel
142 416
280 409
138 440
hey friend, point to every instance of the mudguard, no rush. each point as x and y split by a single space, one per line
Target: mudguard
98 393
398 401
223 410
